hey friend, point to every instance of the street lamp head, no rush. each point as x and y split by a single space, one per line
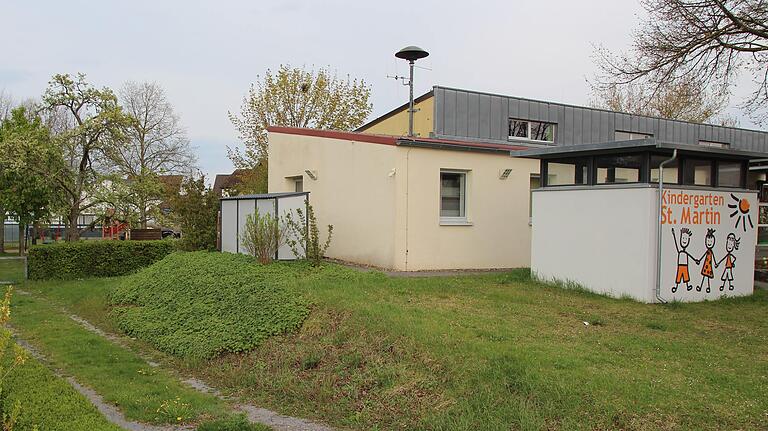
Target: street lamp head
411 53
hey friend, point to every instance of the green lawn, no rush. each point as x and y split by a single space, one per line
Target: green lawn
48 402
12 270
493 352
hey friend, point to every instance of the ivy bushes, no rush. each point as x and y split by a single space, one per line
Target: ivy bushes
197 305
103 258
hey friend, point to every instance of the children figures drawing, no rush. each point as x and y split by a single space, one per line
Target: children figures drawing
731 244
707 261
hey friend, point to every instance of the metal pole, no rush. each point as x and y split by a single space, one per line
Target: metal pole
410 101
658 232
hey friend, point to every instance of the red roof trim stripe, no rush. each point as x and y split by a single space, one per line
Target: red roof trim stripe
335 134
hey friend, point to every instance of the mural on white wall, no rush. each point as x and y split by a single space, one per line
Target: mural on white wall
708 244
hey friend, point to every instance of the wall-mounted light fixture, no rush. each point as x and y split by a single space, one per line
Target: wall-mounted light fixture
311 174
392 173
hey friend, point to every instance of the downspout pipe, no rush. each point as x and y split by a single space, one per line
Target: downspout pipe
659 232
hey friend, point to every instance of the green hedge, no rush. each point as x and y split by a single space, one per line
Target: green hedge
94 258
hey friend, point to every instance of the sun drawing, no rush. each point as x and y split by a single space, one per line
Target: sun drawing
741 212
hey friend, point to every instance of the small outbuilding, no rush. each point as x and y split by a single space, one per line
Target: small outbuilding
645 219
236 209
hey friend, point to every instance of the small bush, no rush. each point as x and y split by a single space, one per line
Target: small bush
263 235
196 305
103 258
304 238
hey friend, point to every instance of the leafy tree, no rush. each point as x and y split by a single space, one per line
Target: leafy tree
687 101
709 42
6 103
92 129
196 210
26 191
294 97
157 145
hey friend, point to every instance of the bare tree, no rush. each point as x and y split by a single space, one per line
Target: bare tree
157 145
687 101
710 42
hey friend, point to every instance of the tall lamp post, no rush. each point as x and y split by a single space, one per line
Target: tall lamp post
411 53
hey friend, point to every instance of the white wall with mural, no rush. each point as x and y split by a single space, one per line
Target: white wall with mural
605 239
708 244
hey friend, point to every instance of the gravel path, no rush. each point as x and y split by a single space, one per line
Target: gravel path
253 413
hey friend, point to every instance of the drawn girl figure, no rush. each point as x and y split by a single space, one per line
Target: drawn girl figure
707 269
731 244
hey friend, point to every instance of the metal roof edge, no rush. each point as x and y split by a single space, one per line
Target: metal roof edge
264 196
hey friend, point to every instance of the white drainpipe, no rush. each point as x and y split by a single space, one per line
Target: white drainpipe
658 239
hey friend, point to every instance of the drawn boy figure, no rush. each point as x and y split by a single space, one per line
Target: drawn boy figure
683 275
731 243
707 269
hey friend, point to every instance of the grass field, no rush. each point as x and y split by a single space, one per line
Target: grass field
12 270
493 352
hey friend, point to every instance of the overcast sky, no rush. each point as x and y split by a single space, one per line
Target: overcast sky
206 53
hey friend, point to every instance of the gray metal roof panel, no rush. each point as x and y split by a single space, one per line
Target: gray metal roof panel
633 145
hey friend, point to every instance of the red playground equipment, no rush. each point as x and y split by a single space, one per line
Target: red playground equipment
111 228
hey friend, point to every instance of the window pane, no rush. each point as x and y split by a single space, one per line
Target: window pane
518 129
535 184
542 131
452 194
697 172
299 185
670 169
618 169
729 174
562 172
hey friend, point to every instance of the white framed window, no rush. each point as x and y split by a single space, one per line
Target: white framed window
453 196
532 130
630 136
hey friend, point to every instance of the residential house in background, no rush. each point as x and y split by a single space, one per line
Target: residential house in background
453 197
225 184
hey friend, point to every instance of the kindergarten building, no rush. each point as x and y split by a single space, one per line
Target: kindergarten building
458 195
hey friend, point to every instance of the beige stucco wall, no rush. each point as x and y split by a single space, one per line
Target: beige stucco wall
397 124
384 202
353 191
499 233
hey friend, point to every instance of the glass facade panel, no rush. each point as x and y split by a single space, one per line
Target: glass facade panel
697 172
567 172
618 169
670 169
729 174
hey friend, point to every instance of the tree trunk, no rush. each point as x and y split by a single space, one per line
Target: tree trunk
2 229
73 230
22 238
35 232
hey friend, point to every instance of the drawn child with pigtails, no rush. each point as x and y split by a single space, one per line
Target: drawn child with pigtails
707 269
731 244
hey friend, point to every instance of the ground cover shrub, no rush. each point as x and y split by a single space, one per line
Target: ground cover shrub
199 304
81 259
